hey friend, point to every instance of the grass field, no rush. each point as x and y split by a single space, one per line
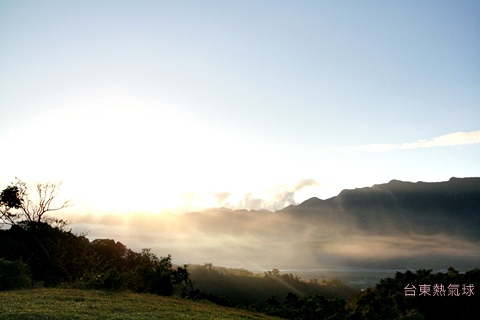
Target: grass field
89 304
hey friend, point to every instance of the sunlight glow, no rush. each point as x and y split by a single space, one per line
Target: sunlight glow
122 154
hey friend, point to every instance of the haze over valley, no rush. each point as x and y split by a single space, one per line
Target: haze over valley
396 225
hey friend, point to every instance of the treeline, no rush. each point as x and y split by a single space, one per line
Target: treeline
420 295
242 288
39 254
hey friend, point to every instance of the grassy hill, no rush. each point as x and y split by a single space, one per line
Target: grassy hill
89 304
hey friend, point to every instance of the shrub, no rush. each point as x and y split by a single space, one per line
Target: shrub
14 275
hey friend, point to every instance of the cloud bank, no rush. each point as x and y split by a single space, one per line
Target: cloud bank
448 140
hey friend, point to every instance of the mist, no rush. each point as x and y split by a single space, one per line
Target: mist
264 240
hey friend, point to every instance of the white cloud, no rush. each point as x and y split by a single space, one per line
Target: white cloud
302 184
448 140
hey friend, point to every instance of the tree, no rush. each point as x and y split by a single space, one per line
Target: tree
158 276
9 199
17 197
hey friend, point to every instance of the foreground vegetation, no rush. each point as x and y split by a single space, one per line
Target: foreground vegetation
54 303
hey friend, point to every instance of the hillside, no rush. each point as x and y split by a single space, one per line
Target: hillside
248 289
83 304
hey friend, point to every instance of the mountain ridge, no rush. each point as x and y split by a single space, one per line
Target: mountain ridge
420 207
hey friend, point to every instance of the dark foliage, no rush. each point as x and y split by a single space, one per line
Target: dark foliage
200 295
51 256
306 307
390 300
14 275
244 289
10 197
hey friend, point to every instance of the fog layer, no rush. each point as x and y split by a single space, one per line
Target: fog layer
398 225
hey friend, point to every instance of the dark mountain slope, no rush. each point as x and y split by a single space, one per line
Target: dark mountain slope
451 207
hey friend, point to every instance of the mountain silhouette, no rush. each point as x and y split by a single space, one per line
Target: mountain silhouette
452 207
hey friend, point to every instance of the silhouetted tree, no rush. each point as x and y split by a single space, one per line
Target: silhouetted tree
17 196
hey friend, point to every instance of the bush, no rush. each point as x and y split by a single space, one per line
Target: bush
14 275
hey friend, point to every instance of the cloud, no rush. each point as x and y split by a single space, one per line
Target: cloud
277 198
249 202
448 140
284 199
302 184
221 198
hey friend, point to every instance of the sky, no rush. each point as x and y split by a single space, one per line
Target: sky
175 106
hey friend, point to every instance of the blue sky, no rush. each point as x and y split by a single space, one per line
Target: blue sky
181 105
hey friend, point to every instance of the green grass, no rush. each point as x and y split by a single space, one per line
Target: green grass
89 304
